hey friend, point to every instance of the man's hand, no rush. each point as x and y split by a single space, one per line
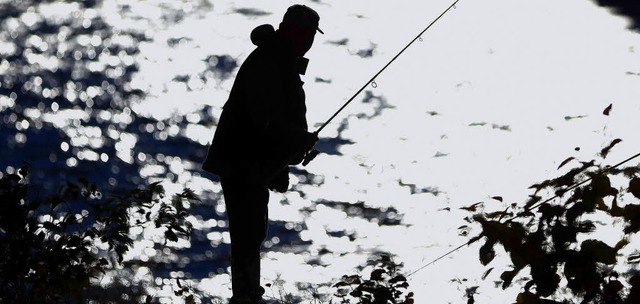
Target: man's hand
309 140
309 156
304 145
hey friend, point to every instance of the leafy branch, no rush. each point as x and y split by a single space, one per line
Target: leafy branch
554 240
52 246
385 285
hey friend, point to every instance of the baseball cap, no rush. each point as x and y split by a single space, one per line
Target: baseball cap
302 16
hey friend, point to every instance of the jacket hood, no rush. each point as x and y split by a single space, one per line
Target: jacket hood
263 34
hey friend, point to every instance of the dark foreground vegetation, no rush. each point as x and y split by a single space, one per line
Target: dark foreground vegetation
556 247
56 248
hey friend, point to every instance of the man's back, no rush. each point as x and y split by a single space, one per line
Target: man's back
264 116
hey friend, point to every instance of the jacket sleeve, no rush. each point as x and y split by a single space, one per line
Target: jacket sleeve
266 98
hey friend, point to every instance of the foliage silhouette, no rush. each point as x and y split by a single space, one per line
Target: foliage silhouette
57 247
630 9
54 247
554 240
385 285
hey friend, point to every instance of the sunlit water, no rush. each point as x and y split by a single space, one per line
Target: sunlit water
486 103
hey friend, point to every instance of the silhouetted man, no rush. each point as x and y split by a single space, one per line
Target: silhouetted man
262 130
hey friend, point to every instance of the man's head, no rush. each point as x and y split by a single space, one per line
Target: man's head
299 26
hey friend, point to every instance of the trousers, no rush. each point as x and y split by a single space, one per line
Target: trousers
247 213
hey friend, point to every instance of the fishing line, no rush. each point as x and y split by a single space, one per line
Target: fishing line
372 81
535 206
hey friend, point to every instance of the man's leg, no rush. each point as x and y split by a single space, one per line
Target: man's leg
247 214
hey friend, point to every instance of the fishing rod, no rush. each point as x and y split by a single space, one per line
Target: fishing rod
372 80
313 153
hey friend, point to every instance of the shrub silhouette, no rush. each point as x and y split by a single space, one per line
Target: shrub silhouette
385 285
554 240
51 246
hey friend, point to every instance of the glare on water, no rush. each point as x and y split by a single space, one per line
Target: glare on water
488 102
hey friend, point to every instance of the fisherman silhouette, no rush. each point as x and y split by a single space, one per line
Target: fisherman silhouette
261 131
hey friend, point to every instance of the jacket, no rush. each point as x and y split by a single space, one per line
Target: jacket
263 122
